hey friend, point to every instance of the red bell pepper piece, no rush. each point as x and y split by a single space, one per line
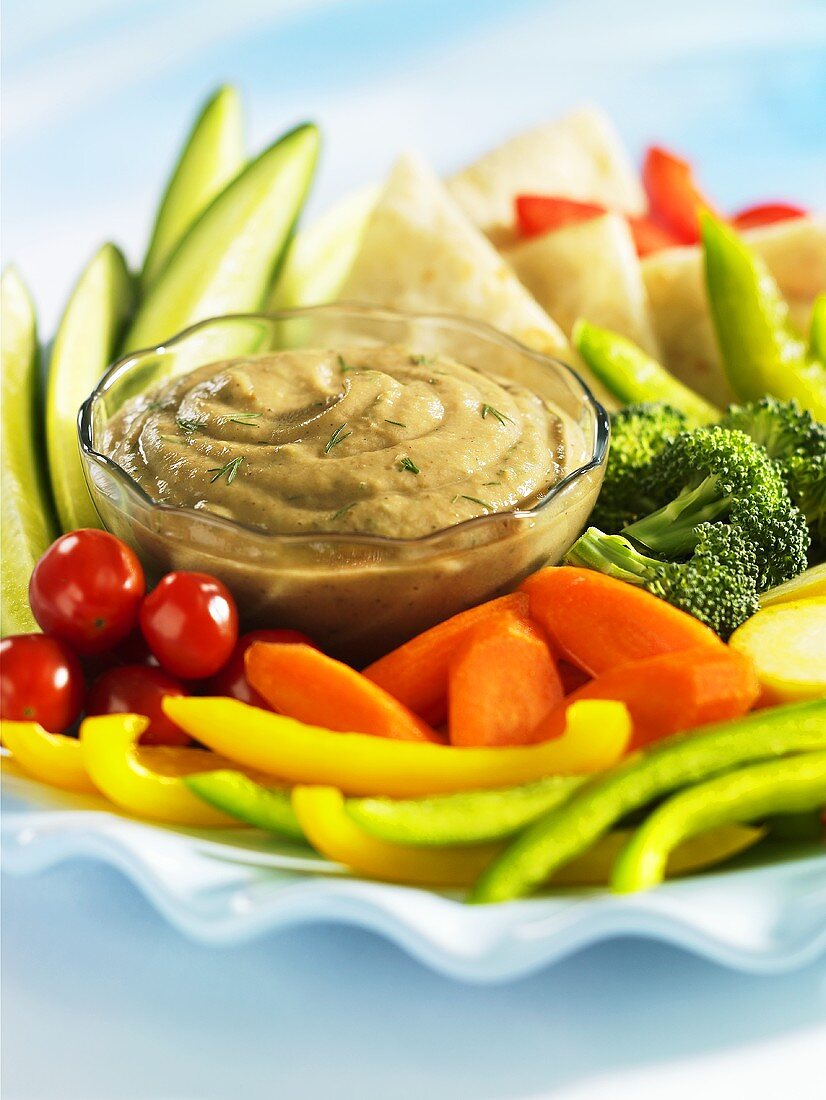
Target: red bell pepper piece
649 236
537 214
766 213
674 197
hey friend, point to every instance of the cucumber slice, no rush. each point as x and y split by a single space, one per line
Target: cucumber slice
320 256
226 261
212 155
83 348
817 332
27 515
239 796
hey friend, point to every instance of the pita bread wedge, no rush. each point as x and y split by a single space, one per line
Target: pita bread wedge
579 156
419 252
795 252
588 270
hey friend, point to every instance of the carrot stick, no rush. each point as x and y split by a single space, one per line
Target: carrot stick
599 623
416 673
502 682
669 693
303 683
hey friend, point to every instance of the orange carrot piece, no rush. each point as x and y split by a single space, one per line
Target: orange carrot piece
502 682
571 676
599 623
303 683
669 693
416 673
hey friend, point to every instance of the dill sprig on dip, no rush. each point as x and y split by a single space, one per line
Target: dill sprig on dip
229 468
344 365
422 360
398 423
189 425
343 510
476 500
338 436
244 418
407 463
489 410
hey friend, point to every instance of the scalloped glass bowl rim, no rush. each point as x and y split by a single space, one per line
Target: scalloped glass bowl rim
481 329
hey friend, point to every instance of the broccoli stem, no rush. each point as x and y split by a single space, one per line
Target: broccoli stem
671 530
612 555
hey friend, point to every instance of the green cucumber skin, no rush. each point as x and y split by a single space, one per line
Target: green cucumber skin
246 228
211 156
689 758
242 798
84 346
795 785
28 520
466 818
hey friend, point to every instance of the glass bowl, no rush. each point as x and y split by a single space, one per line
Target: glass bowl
356 595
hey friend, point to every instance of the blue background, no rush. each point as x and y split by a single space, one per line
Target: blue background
100 998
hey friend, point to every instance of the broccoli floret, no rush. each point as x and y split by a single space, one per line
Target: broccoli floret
638 433
718 584
797 442
716 474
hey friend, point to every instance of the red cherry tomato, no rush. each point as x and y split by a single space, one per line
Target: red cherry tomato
139 689
87 589
232 679
40 681
191 624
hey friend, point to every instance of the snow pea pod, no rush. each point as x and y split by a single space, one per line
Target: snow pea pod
573 827
794 785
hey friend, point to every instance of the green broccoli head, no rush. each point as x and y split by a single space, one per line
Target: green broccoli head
797 441
638 433
716 474
717 585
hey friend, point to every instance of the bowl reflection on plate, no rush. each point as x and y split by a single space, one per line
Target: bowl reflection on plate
357 595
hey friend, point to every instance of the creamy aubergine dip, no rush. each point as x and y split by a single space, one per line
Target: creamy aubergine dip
372 440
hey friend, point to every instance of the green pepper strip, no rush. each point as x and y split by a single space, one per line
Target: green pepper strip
464 818
233 793
794 785
634 377
573 827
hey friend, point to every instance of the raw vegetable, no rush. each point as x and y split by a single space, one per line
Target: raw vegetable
40 681
761 351
669 693
190 623
794 785
718 475
146 782
50 757
212 155
638 433
797 441
232 679
539 214
503 680
87 589
802 587
787 644
817 331
766 213
416 673
84 346
305 684
635 377
28 524
596 736
717 585
599 624
467 818
234 793
226 260
322 817
570 829
673 194
139 689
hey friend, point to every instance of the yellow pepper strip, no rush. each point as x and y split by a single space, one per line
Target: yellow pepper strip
330 829
596 736
333 833
124 772
52 758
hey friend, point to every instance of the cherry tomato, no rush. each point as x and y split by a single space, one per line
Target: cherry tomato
131 651
191 624
232 680
40 681
139 689
87 589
